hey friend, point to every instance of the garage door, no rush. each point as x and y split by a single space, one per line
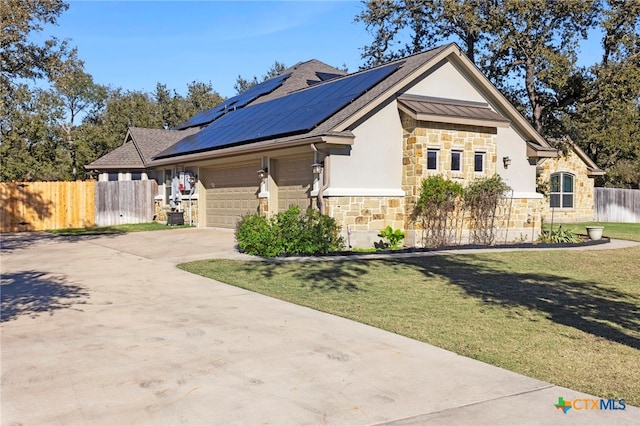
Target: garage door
294 179
231 192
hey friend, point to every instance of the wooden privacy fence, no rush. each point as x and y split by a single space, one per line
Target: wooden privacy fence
123 202
617 205
35 206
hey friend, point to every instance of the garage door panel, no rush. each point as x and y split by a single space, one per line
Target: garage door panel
231 193
294 178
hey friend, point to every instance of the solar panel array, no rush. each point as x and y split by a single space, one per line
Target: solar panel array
295 113
231 104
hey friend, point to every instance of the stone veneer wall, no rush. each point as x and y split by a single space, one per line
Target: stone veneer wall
161 211
420 136
365 217
583 191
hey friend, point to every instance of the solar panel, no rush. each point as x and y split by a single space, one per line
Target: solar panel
295 113
236 102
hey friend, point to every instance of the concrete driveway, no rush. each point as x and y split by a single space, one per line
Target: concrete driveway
106 330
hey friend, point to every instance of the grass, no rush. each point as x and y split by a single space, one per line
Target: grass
571 318
623 231
115 229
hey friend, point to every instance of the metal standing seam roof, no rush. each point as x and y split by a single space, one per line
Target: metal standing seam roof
427 108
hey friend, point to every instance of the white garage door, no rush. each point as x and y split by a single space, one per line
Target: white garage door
294 178
231 192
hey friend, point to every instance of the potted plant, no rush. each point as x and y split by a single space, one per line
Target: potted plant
594 232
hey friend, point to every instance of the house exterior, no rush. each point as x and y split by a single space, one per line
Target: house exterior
570 185
357 147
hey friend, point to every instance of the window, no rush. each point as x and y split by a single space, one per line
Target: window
456 161
432 159
562 190
136 175
478 162
113 177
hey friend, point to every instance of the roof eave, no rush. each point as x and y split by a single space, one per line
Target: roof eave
537 151
333 138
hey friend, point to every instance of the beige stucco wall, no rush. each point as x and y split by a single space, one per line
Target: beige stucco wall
448 82
373 164
583 201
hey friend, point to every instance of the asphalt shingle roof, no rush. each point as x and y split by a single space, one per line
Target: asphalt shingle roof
139 148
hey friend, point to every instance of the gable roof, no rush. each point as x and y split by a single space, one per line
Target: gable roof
300 76
140 146
294 114
338 125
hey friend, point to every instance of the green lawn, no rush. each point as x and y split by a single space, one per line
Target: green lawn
571 318
115 229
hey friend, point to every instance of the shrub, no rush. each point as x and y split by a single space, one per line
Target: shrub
289 232
437 209
256 235
393 238
481 199
559 235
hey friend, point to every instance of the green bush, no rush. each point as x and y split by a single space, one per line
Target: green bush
256 235
288 233
393 238
437 210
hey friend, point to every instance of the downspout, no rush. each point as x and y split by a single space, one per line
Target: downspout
325 178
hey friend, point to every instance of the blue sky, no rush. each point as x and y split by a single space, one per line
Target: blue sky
136 44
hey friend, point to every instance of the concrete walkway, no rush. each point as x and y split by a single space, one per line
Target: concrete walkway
106 330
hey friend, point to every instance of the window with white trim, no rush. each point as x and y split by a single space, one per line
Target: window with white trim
561 194
478 162
456 161
432 159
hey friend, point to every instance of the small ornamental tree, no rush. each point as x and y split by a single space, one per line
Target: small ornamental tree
437 210
481 199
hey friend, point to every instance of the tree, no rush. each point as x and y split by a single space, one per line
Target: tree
607 123
526 48
21 57
243 84
78 93
29 137
33 149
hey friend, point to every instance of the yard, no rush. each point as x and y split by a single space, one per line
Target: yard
571 318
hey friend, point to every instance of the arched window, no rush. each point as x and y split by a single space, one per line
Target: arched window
562 190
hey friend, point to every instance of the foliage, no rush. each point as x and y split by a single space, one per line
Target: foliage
559 235
607 124
290 232
437 210
529 50
242 84
21 57
481 199
393 237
